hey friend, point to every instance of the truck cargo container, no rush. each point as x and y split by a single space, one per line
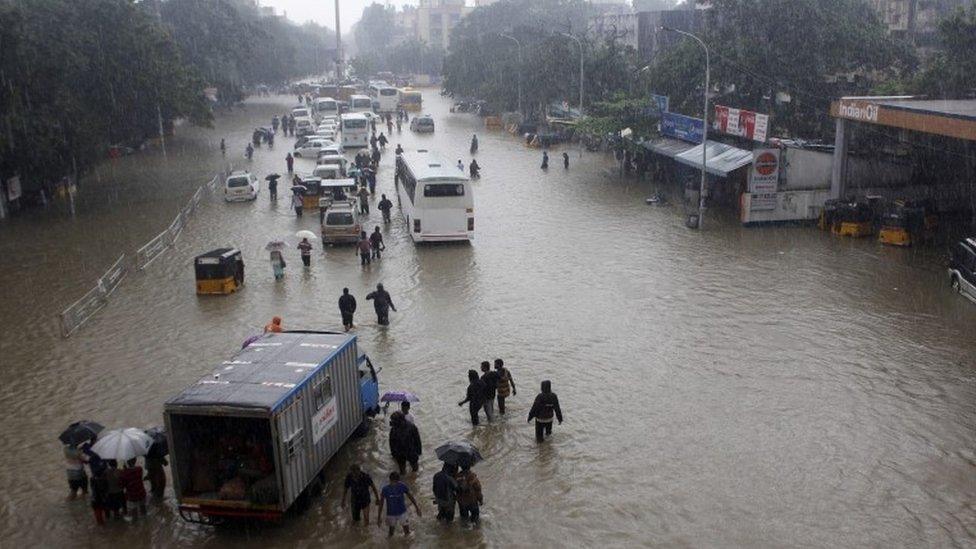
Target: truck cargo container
255 435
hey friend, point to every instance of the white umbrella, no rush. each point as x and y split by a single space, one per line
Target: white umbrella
306 234
122 444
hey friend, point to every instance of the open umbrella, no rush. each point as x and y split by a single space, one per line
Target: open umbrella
306 234
299 189
399 396
458 453
79 432
160 444
272 177
276 245
122 444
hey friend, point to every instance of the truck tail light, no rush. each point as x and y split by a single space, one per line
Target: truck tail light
416 225
470 223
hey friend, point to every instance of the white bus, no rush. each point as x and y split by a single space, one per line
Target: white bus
387 98
436 198
354 129
360 103
325 107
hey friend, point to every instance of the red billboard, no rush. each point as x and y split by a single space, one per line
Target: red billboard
742 123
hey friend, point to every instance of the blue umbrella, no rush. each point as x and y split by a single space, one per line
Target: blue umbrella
399 396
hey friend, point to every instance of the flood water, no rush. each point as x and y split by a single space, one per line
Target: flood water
731 387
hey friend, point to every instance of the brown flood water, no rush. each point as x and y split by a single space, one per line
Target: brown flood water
735 387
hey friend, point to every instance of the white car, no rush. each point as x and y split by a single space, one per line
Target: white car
304 126
326 134
311 148
241 185
331 150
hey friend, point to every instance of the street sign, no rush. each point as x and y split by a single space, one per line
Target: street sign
764 177
685 128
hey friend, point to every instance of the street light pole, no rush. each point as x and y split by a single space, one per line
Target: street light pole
340 69
701 188
580 43
519 44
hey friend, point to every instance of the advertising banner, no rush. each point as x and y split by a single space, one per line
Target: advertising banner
685 128
659 105
742 123
323 420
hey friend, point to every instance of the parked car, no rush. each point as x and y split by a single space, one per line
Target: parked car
241 185
422 124
962 267
304 126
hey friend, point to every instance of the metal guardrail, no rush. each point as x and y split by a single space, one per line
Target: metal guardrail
80 311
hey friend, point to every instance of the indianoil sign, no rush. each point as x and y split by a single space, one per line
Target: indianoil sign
862 111
930 117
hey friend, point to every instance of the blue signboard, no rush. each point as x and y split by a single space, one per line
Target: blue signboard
659 105
682 127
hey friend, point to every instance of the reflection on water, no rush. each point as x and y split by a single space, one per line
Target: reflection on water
736 386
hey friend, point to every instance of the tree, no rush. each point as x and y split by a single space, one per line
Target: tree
951 73
374 31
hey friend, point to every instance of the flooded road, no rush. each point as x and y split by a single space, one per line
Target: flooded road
734 387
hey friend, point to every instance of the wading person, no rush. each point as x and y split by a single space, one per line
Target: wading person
506 384
273 188
382 140
347 308
382 303
405 446
545 160
156 474
489 378
135 490
475 395
99 497
363 248
445 490
296 202
305 247
385 206
566 160
277 264
394 496
363 200
376 242
273 327
544 410
405 410
359 483
290 162
74 467
470 498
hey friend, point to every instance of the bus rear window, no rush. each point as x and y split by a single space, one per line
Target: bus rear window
362 103
443 189
354 124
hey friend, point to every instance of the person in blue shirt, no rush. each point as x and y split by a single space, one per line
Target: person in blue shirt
394 496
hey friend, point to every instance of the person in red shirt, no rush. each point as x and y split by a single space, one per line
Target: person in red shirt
135 490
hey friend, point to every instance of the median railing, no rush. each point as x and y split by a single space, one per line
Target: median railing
94 299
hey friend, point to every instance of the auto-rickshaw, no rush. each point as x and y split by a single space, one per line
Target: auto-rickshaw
907 222
828 214
854 219
219 272
313 190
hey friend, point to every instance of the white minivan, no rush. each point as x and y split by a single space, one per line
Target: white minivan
241 185
311 147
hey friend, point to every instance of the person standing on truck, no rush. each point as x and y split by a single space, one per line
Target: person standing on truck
490 379
359 483
405 443
544 410
347 308
394 496
506 384
445 490
475 395
135 490
382 302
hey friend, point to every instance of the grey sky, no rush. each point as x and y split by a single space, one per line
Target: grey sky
323 11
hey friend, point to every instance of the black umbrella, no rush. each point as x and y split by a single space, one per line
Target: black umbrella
272 177
80 431
458 453
160 444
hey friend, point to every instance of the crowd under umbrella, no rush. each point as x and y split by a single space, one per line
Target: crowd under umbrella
122 444
160 443
460 453
79 432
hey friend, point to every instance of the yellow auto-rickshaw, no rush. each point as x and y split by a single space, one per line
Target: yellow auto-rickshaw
907 222
219 272
854 219
313 190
